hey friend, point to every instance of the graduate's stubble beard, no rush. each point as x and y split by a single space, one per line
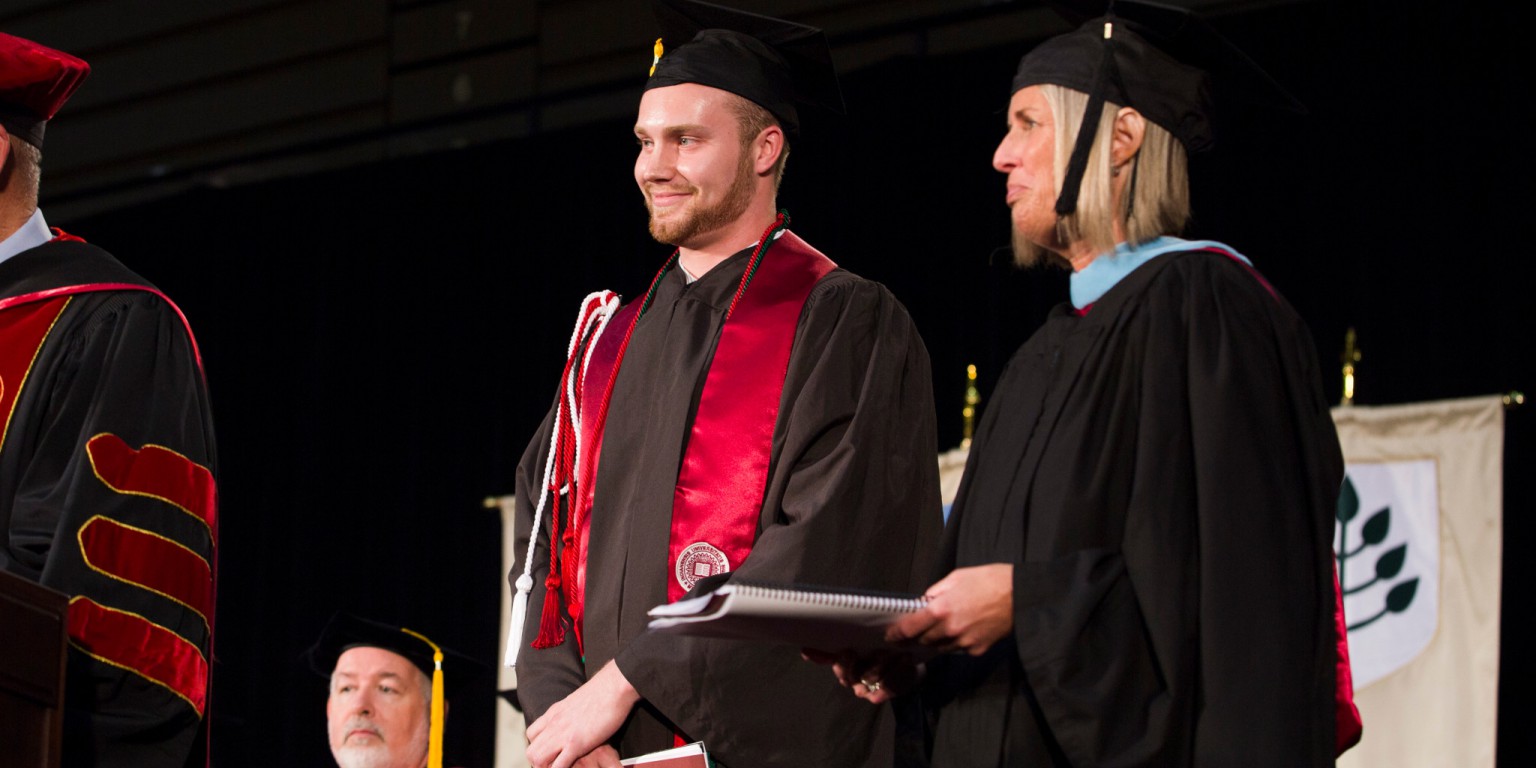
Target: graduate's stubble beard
701 220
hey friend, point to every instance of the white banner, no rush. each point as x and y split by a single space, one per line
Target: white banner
1419 533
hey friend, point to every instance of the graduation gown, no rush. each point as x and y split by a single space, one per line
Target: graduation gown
852 500
106 495
1161 473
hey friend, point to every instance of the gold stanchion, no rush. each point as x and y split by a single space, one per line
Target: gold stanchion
972 399
1351 356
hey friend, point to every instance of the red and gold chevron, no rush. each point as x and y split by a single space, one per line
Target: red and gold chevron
158 473
131 642
147 559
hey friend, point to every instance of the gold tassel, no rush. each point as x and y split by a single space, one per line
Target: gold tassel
656 57
435 732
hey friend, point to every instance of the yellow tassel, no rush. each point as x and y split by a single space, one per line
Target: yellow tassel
435 737
657 56
435 732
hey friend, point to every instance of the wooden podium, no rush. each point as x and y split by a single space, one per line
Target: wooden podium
32 653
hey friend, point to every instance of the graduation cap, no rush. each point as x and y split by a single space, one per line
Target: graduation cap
1160 59
771 62
35 81
346 631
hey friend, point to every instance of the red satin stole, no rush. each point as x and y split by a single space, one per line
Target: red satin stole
724 471
599 375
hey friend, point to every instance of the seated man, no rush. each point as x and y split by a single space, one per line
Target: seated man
386 707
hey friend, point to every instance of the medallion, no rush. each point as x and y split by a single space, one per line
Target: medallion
699 560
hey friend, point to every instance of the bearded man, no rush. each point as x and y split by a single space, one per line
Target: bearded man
382 706
758 414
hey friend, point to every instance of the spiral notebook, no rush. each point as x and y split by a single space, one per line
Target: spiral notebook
808 617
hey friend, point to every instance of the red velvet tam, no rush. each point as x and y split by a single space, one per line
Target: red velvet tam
34 82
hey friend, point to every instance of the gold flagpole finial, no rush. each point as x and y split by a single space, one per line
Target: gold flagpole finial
972 399
1351 356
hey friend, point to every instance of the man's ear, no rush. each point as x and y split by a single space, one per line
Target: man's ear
5 148
767 148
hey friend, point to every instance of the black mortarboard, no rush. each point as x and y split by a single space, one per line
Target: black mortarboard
771 62
1162 60
345 631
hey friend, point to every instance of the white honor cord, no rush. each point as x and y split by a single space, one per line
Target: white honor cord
609 307
609 304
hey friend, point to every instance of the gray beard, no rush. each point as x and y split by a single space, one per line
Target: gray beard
362 757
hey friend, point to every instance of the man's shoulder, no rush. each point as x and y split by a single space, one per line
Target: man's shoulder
845 286
62 264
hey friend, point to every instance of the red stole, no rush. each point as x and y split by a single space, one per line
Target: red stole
724 471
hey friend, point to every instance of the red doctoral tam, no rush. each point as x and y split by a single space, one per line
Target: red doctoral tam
34 82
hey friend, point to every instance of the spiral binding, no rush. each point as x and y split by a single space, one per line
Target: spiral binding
854 601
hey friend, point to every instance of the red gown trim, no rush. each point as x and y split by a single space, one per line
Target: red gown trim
22 333
131 642
71 290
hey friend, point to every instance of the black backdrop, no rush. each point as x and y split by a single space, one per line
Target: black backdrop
381 341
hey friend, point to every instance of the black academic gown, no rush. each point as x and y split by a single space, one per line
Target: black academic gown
1161 473
852 500
118 362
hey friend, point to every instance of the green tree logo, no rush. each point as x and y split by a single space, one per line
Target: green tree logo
1387 564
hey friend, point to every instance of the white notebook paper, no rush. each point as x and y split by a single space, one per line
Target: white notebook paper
809 617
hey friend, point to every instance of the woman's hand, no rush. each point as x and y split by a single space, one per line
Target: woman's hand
968 610
874 676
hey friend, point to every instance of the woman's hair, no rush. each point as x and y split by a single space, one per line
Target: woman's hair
1159 182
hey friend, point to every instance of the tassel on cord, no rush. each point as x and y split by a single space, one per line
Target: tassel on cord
564 449
435 730
1077 162
519 616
